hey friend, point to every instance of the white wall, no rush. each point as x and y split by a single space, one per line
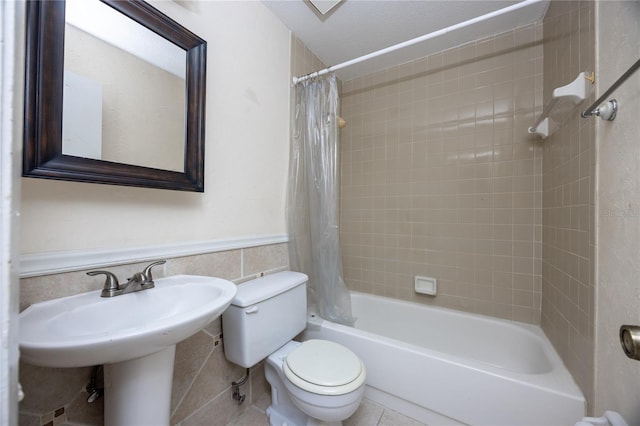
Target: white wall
11 74
618 210
247 138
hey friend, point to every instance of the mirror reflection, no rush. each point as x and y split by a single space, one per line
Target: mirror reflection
130 118
124 90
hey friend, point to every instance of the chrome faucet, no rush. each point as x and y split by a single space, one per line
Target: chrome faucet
139 281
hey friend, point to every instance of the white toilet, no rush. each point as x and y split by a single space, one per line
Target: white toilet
312 381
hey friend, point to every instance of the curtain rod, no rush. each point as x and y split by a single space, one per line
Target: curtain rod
416 40
593 108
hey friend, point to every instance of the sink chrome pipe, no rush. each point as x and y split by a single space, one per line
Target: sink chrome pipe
139 281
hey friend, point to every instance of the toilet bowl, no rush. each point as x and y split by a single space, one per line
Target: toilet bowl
316 379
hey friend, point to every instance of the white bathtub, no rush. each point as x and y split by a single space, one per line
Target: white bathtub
444 367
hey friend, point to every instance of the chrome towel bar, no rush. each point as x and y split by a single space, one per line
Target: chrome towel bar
594 110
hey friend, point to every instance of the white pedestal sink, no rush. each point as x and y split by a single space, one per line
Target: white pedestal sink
133 335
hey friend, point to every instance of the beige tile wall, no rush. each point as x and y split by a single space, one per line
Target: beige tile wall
303 60
568 259
202 377
440 177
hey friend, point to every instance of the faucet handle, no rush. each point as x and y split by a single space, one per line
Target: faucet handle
111 284
147 272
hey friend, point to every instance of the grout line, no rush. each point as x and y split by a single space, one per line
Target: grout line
242 263
195 377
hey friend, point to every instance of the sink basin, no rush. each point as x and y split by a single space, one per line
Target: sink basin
86 329
134 335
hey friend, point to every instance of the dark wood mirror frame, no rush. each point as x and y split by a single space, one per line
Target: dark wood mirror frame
44 71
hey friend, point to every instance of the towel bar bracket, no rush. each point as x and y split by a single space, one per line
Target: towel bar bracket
607 111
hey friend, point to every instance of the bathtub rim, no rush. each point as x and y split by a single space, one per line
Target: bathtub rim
558 380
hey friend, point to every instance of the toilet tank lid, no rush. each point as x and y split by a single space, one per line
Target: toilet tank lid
263 288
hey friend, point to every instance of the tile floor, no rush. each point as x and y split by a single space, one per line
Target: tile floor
369 414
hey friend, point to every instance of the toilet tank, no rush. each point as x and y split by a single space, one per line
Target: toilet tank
266 313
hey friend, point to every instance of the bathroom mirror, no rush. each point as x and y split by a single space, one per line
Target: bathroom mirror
117 100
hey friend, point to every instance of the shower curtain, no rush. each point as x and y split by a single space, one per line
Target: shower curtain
312 199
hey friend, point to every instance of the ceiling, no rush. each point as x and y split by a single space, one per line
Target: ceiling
357 27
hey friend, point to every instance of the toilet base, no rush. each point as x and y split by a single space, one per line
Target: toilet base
282 411
286 414
285 411
277 419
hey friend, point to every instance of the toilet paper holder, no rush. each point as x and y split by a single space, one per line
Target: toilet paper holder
630 341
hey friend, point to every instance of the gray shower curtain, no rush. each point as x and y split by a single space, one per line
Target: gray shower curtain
312 198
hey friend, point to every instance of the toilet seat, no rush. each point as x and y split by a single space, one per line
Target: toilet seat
325 368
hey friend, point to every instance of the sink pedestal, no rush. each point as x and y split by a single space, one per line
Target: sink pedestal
138 391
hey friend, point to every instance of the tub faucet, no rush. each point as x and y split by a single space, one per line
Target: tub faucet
139 281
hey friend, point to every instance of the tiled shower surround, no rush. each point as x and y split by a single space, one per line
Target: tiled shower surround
440 177
201 394
568 236
303 61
